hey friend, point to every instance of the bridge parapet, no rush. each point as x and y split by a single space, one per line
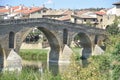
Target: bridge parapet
88 29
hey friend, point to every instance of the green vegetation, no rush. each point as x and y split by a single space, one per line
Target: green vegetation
115 65
28 74
77 50
34 54
113 29
98 69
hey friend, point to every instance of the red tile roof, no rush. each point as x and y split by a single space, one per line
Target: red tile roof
15 7
81 12
100 12
29 10
23 10
67 15
67 12
3 10
64 18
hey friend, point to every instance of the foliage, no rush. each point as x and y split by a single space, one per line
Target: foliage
116 62
111 43
34 54
49 76
77 50
113 29
88 23
98 69
113 49
29 74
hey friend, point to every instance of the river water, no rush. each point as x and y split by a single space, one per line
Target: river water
41 66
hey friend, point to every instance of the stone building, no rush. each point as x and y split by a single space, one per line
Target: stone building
104 20
84 17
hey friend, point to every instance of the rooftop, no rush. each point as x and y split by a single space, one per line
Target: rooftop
117 3
101 12
20 9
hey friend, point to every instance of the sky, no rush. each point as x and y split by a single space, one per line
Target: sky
60 4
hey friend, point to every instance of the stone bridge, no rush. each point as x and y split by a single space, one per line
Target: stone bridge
58 33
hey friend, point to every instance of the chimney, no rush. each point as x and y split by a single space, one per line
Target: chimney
7 6
11 10
20 7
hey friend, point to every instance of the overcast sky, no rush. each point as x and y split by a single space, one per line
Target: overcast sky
57 4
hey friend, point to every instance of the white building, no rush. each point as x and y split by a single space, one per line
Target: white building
115 10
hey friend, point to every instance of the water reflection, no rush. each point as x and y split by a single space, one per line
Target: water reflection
41 66
53 67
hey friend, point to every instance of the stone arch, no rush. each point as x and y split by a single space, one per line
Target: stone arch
54 53
65 36
11 39
85 43
54 44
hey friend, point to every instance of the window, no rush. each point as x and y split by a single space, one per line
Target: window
94 19
84 20
75 20
101 20
11 40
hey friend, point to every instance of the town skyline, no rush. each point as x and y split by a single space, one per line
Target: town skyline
61 4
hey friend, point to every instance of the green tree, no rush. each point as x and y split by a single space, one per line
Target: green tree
115 66
113 29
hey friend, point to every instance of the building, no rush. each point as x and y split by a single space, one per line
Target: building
84 17
115 10
53 14
104 19
21 11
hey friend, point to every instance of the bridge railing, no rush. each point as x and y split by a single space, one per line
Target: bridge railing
46 20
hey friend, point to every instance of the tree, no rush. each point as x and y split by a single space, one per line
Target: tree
113 29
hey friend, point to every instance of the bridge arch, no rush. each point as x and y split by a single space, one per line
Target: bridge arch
52 40
54 44
85 43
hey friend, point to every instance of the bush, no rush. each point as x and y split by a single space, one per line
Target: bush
98 69
113 29
115 66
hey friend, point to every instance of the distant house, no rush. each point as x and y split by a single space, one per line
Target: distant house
4 11
115 10
84 17
104 19
53 14
17 12
66 16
